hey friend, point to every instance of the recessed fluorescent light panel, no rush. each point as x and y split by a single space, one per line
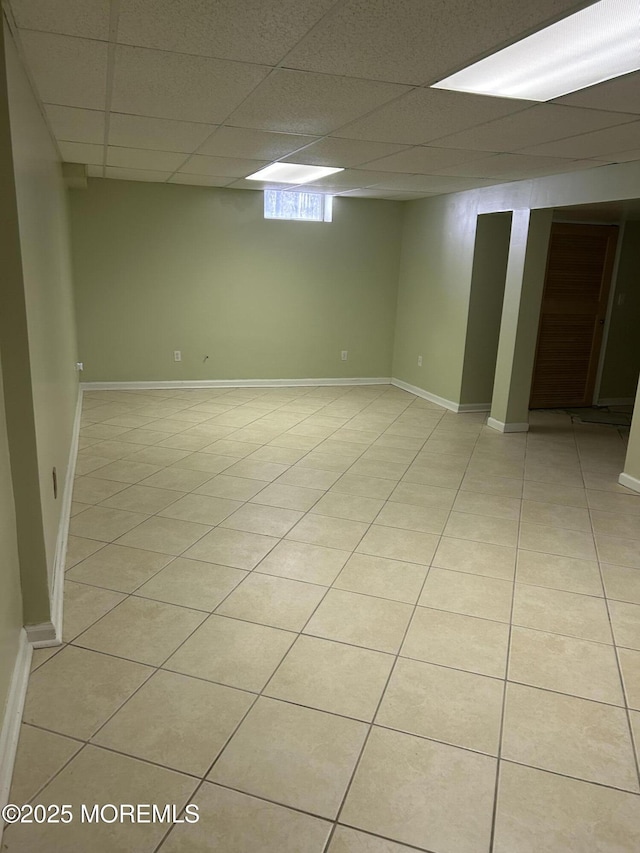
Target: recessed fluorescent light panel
292 173
593 45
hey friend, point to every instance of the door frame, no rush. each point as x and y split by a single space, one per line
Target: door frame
610 305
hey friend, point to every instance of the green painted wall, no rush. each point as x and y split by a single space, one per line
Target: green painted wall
621 365
159 268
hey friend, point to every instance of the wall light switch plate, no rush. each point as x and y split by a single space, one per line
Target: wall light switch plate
177 355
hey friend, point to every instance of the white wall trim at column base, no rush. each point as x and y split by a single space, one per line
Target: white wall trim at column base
10 730
231 383
629 481
502 427
441 401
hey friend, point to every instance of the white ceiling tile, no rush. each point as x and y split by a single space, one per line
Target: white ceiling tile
200 180
94 171
140 158
332 151
435 184
76 125
258 186
625 137
136 174
538 124
620 156
349 179
253 144
424 160
157 133
259 31
316 104
172 85
424 114
81 152
387 195
86 18
510 167
67 71
221 166
621 94
413 41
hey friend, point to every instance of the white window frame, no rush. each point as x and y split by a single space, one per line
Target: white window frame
274 198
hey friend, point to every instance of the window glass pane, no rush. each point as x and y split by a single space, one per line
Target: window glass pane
309 207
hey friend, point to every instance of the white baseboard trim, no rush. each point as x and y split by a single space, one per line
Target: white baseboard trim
441 401
616 401
630 482
230 383
10 730
502 427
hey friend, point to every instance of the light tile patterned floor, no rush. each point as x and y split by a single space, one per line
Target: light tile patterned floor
342 620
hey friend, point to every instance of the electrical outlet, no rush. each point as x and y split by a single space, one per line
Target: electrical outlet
177 355
419 361
344 354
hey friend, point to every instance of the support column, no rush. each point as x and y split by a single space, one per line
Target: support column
528 247
630 477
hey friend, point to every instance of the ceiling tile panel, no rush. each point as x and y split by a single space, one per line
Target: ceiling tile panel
87 18
256 186
95 171
349 179
253 144
221 166
149 175
426 114
156 133
200 180
76 125
621 94
175 86
332 151
620 156
67 71
512 167
415 41
431 183
625 137
81 152
538 124
423 159
297 102
260 31
139 158
389 195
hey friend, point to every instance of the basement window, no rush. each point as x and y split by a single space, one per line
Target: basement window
300 206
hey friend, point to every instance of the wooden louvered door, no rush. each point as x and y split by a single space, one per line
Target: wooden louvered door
574 306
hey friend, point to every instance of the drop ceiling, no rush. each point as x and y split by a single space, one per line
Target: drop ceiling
206 92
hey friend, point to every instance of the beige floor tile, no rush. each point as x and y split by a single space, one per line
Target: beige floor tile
288 497
40 756
229 447
205 715
566 664
311 478
79 548
346 840
407 545
268 520
329 532
142 630
301 561
554 474
379 468
235 488
236 823
630 666
433 476
564 573
77 690
204 462
490 485
190 583
473 595
90 490
614 549
332 677
409 789
117 567
97 776
370 487
77 508
418 494
479 558
604 482
156 455
444 704
560 612
626 504
360 620
634 719
556 515
495 531
409 517
614 524
274 601
282 455
625 622
232 548
496 506
353 507
83 605
555 540
555 494
142 499
176 479
39 656
381 577
126 472
621 583
319 461
305 760
541 811
462 642
202 509
87 462
256 470
164 535
574 737
104 524
246 654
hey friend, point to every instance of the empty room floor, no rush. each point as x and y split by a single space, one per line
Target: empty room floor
340 619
